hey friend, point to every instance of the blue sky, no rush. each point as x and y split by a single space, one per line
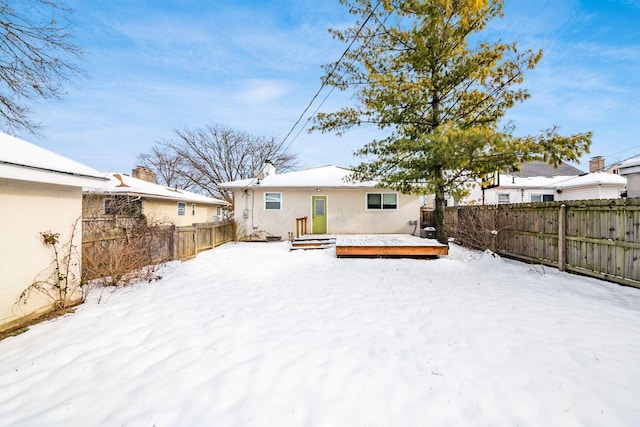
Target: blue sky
158 65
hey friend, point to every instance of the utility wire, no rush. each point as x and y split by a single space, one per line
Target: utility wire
324 81
330 90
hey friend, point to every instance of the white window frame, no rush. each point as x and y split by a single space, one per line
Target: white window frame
542 198
381 208
193 209
502 196
182 209
279 201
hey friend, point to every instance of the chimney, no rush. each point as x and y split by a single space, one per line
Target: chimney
144 174
268 168
596 164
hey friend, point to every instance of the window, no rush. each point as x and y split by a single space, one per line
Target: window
218 210
123 205
182 208
193 209
503 198
273 201
535 198
383 201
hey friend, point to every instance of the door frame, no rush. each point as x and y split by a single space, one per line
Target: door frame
326 212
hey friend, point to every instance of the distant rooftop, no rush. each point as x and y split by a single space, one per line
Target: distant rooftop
535 168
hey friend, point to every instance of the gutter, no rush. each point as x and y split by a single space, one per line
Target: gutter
81 175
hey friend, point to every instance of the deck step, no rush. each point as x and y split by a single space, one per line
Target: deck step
306 247
313 242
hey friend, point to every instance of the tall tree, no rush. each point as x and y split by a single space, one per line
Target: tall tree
202 158
421 71
36 58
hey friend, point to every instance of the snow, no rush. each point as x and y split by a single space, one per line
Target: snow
251 334
542 182
395 240
23 160
323 176
596 178
630 166
125 184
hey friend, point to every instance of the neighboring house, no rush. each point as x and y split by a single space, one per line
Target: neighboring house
631 169
127 195
540 182
270 204
598 185
40 191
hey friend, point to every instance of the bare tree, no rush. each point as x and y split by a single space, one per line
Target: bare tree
202 158
36 58
167 165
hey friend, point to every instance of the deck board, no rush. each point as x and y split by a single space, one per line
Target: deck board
379 245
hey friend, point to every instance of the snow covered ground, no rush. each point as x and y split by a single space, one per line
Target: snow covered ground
254 335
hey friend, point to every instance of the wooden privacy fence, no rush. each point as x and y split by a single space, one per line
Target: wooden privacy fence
160 243
201 236
599 238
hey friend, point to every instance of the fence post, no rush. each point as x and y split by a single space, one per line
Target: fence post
195 239
562 237
174 233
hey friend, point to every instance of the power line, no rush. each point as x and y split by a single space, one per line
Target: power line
330 91
324 81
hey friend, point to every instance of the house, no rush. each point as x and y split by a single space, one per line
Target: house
40 192
541 182
597 185
139 194
631 169
270 204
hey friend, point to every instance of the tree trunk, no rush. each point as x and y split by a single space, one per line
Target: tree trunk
440 205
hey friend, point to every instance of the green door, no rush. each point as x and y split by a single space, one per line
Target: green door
319 214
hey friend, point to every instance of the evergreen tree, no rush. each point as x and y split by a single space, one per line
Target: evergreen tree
421 71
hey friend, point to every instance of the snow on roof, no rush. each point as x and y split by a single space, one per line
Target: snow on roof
629 166
125 184
25 161
596 178
323 176
511 181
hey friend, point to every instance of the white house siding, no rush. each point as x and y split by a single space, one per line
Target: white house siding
633 185
26 210
589 192
346 212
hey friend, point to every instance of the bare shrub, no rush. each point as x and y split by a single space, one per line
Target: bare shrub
122 246
477 227
61 285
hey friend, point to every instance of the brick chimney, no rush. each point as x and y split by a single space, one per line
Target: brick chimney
144 174
596 164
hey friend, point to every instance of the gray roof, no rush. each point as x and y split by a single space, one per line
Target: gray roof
532 169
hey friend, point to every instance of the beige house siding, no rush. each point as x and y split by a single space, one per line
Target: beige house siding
346 211
157 210
167 211
32 208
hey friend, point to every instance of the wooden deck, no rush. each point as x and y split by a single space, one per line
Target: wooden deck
388 245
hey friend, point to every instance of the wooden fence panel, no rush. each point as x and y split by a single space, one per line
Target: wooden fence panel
600 238
185 242
161 243
204 236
